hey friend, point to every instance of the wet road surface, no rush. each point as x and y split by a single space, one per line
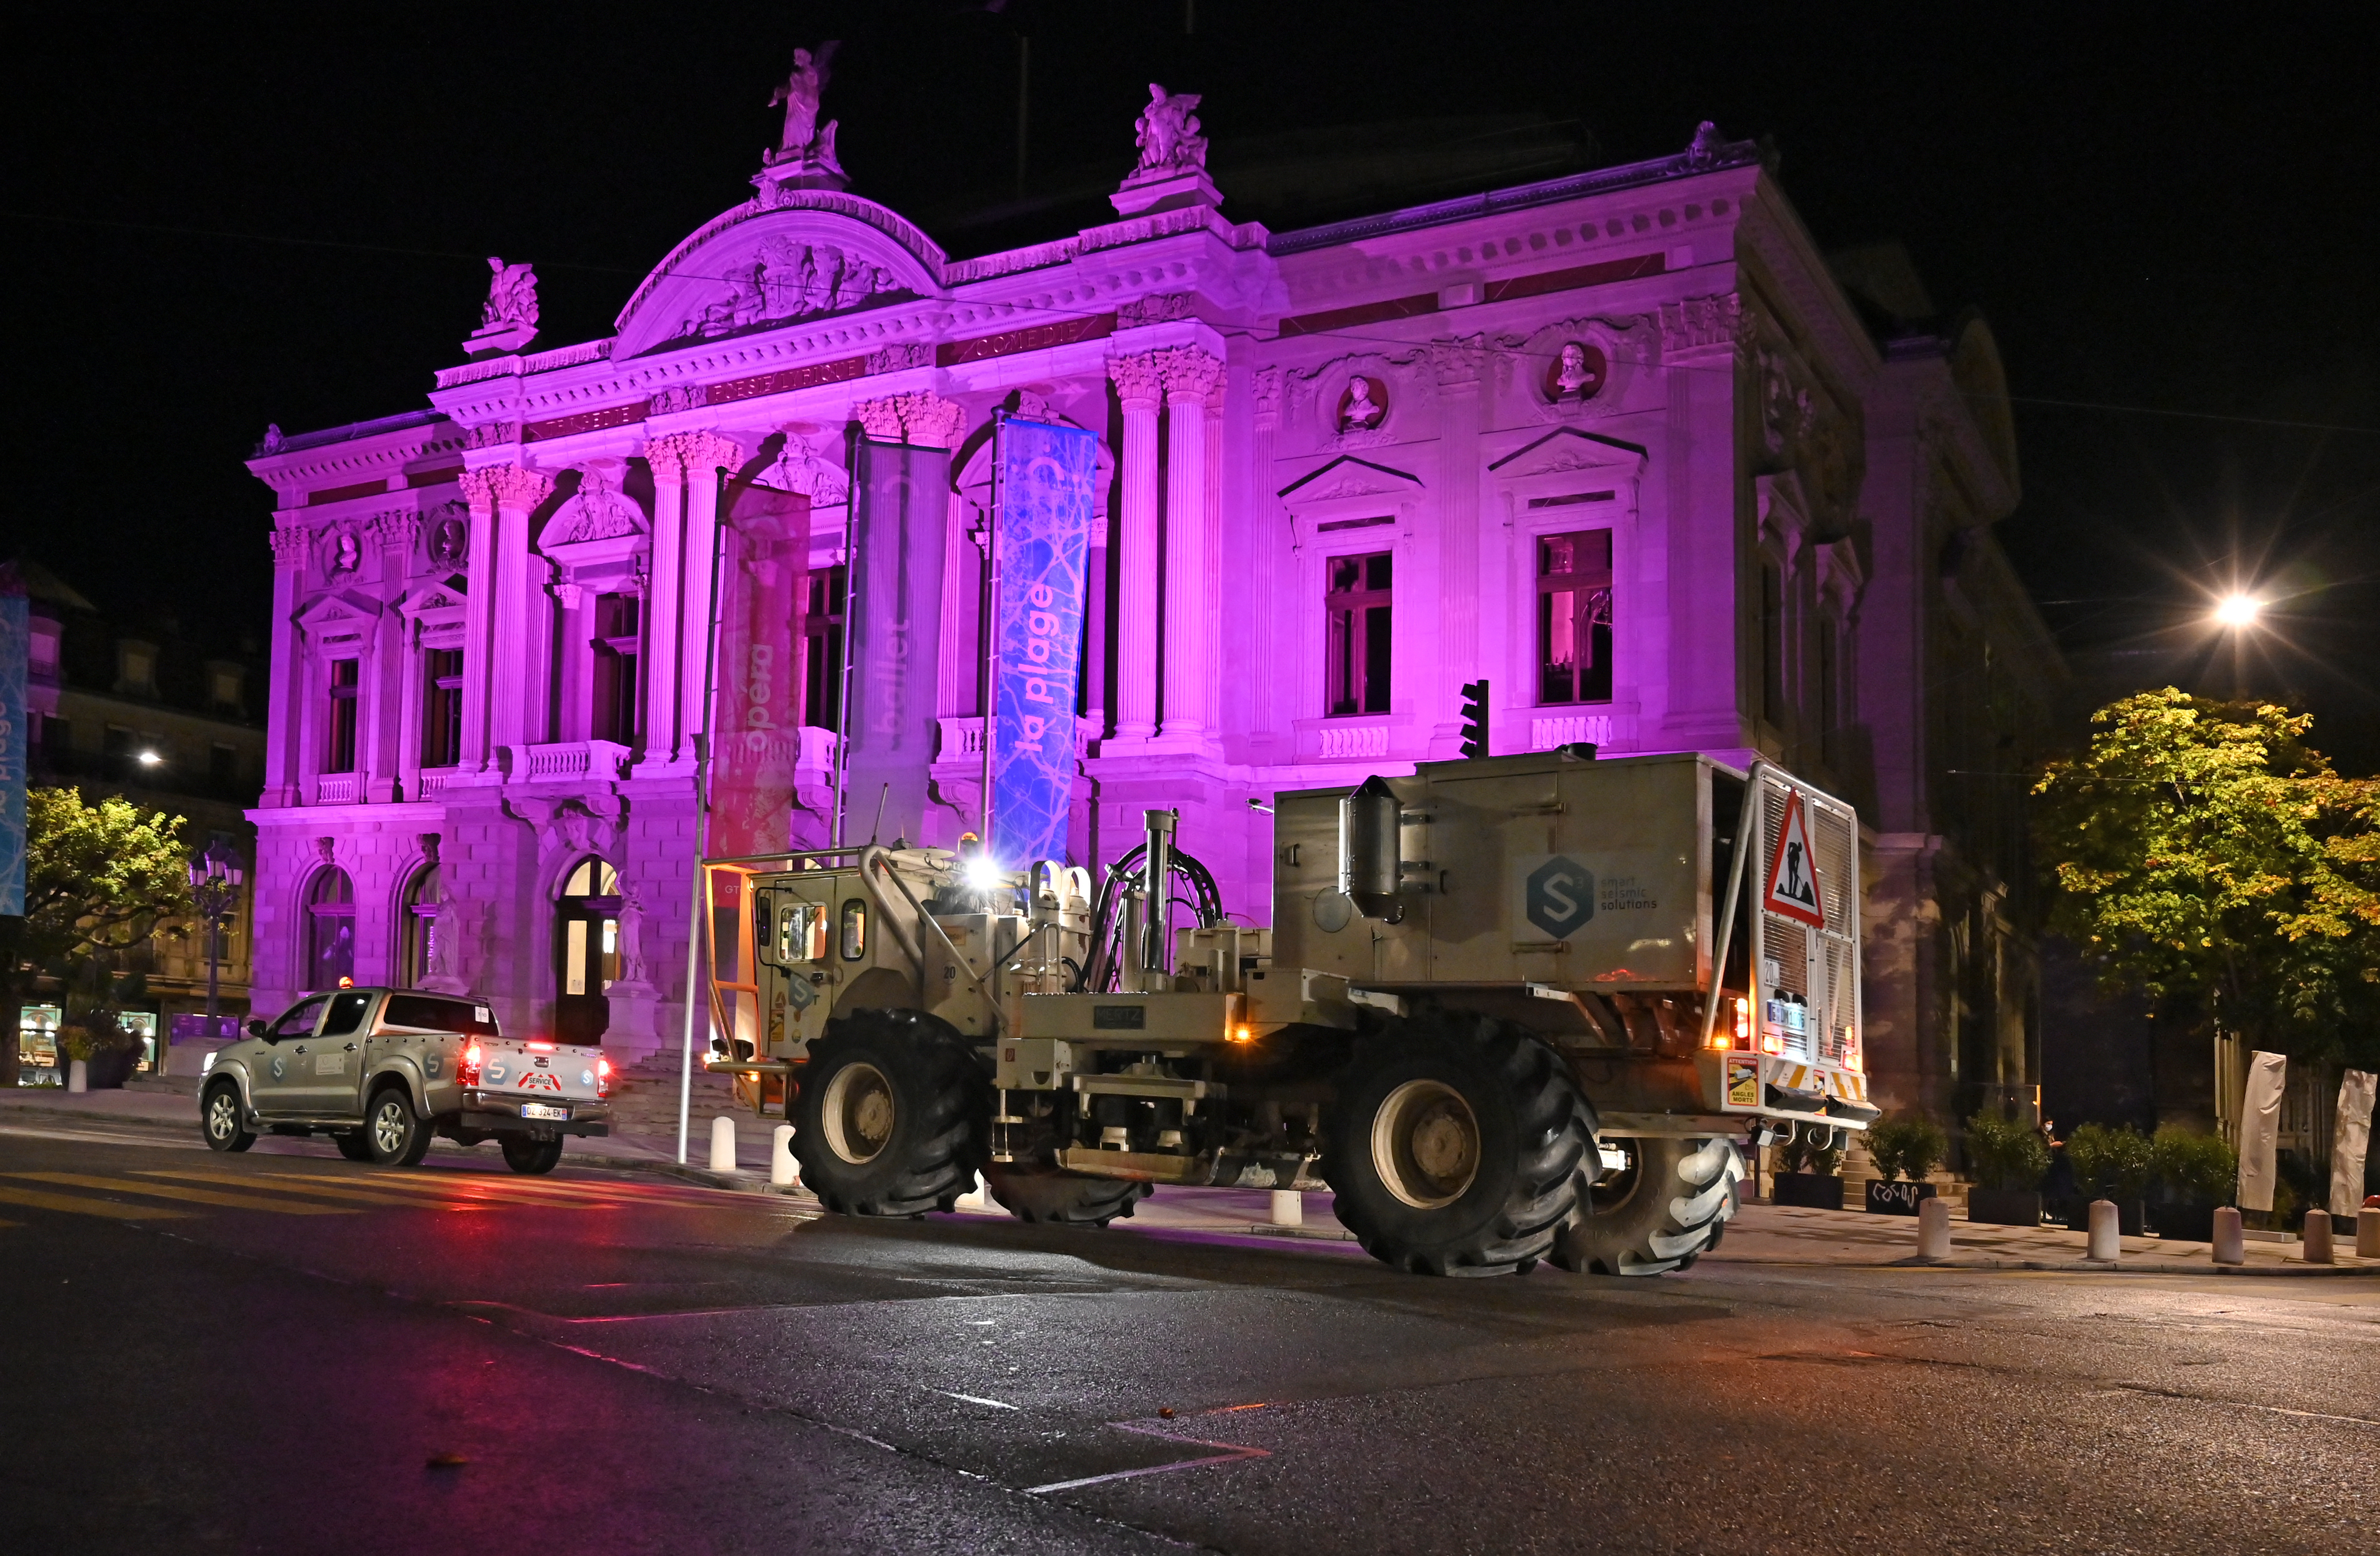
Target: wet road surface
267 1351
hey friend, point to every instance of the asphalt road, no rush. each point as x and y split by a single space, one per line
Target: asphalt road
267 1353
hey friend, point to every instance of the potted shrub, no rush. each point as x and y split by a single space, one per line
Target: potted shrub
2110 1164
2195 1174
1809 1178
1907 1146
2008 1159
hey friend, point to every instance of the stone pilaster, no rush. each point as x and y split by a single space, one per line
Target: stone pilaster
284 721
1191 673
701 456
1457 366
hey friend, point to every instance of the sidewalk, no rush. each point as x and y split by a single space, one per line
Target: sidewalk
1786 1234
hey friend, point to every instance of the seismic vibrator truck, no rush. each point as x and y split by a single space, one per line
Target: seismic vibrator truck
1510 1009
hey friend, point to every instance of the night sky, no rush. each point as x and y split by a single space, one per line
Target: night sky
221 216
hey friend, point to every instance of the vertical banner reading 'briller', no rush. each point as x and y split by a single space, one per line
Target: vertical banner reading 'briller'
16 648
901 501
1048 477
763 580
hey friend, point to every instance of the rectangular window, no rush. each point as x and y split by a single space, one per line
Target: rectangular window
441 704
1359 604
614 714
1772 642
339 748
1574 616
223 766
119 752
822 656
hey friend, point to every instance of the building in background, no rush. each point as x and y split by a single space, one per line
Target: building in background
1621 441
165 720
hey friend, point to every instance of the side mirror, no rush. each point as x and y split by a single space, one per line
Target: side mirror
256 1028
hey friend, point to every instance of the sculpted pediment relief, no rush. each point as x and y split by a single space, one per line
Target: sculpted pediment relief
1349 477
1568 448
333 617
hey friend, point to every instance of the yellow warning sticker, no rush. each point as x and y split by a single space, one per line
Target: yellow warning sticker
1742 1083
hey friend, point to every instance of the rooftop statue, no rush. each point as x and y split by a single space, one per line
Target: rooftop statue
800 95
512 298
1167 133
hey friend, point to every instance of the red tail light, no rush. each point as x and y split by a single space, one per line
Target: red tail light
469 1073
602 1077
537 1047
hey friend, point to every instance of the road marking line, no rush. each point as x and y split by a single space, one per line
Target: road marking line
2243 1405
1231 1453
978 1399
256 1182
494 1190
117 1210
196 1195
464 1194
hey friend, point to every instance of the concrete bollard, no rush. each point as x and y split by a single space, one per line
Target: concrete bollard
2367 1233
2317 1237
2230 1244
1288 1207
2106 1245
1933 1228
723 1144
780 1158
77 1076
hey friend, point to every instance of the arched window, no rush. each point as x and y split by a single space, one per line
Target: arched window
587 951
330 928
417 956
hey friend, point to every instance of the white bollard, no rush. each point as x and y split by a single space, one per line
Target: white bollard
2105 1244
2231 1245
780 1157
77 1076
723 1144
2367 1233
1288 1207
1933 1228
2317 1238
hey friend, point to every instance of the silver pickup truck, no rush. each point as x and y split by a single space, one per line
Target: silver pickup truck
381 1071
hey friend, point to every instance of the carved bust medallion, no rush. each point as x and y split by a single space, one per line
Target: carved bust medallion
1577 373
1363 406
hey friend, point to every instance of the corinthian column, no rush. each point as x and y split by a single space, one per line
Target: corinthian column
284 724
1190 376
1138 385
663 602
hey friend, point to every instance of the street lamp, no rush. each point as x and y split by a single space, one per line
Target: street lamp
2236 610
214 886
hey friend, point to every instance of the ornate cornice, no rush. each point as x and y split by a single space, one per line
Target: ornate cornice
1139 383
291 547
394 527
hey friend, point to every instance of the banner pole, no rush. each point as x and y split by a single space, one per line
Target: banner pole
989 700
850 593
701 833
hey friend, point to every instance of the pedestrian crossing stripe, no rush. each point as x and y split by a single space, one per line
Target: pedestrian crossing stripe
195 1195
476 1190
75 1204
262 1185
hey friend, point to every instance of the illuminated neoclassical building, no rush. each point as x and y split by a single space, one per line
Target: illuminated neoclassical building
1623 444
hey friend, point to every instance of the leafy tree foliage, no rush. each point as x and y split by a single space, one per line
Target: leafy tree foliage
99 878
2207 858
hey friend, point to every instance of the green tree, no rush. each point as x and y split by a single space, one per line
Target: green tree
99 878
2204 856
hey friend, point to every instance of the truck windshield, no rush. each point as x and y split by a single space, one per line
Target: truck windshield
427 1014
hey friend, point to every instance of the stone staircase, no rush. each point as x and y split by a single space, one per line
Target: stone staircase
644 1100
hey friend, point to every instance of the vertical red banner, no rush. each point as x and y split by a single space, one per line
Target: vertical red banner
756 736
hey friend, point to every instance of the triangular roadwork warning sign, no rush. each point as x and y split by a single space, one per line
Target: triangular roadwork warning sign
1794 873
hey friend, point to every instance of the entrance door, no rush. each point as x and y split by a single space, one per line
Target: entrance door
587 953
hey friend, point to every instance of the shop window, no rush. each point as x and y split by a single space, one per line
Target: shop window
614 714
330 928
1574 616
441 707
418 954
339 749
822 641
1359 606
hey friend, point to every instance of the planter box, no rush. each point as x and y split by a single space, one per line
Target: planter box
1896 1198
2186 1224
1811 1191
2004 1206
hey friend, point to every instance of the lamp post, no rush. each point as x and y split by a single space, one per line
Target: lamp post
214 886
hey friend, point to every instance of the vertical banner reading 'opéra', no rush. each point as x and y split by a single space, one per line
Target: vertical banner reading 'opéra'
1048 477
758 726
901 501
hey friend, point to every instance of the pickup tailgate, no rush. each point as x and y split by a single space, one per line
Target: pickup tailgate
543 1074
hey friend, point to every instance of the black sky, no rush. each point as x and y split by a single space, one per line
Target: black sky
218 217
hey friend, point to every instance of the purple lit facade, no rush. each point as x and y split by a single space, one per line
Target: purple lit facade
1622 444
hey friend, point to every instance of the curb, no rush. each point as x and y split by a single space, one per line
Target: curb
2093 1266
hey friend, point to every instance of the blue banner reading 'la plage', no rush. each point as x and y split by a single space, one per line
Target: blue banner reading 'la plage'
1048 481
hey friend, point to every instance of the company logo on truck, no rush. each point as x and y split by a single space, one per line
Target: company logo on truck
1612 896
1561 897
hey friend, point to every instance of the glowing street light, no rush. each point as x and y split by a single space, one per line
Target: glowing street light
2238 611
150 758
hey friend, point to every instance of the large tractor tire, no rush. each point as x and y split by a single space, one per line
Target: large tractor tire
1458 1147
1045 1197
893 1116
1660 1212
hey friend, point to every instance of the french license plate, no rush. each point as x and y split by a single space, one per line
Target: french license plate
543 1110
